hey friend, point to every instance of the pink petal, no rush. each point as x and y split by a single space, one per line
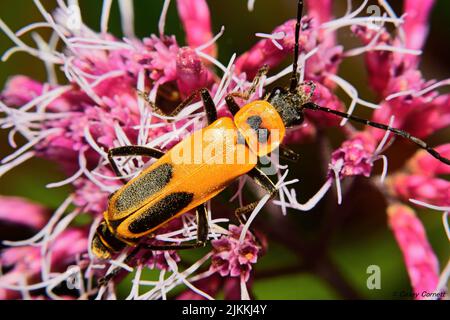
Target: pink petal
196 21
21 89
424 164
421 262
191 72
265 52
416 22
322 10
18 210
426 189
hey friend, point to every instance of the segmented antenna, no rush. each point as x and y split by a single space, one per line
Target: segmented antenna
422 144
294 78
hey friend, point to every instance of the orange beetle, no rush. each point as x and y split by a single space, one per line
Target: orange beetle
188 175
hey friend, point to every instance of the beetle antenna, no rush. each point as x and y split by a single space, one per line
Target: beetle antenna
294 77
422 144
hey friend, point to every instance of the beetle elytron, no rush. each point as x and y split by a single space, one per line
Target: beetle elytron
166 190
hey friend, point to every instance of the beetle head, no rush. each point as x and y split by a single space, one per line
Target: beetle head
288 105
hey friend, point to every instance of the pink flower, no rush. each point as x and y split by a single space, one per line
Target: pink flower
22 211
197 23
422 188
265 52
421 262
354 157
320 10
20 90
422 163
323 96
416 22
191 72
233 258
25 262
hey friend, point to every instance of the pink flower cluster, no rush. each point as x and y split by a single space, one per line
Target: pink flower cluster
233 257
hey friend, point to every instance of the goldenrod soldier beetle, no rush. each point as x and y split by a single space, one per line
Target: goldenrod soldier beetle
166 190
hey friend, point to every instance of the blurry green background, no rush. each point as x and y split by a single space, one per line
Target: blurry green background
356 232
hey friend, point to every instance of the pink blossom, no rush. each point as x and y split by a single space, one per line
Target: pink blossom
26 261
422 188
233 258
265 52
354 157
22 211
20 90
416 22
99 109
421 262
160 58
323 96
422 163
321 10
196 21
191 72
90 197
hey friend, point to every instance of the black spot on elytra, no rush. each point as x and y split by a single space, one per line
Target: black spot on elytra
147 185
161 211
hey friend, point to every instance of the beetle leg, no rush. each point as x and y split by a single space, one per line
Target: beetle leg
262 180
202 234
229 98
208 104
288 154
232 104
256 81
131 151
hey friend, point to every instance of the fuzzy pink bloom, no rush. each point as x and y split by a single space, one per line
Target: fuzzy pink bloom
421 262
323 96
26 261
420 116
424 164
322 10
22 211
90 197
265 52
354 157
20 90
422 188
161 58
232 258
191 72
416 22
196 21
306 132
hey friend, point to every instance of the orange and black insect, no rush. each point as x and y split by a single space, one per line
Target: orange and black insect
166 189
